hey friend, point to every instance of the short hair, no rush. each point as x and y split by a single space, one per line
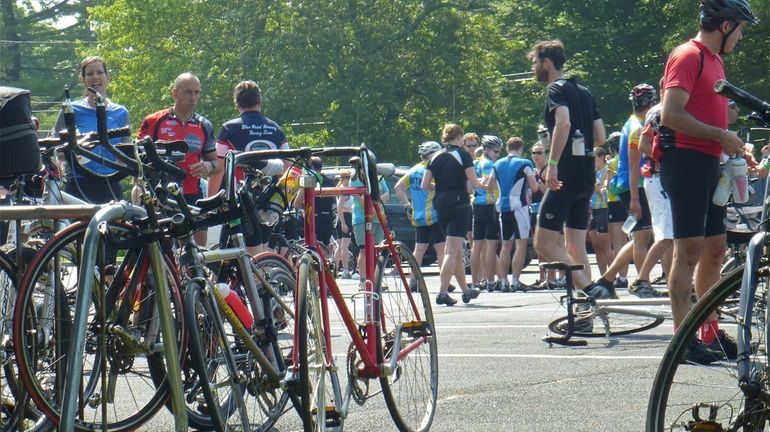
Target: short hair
316 163
451 131
600 151
537 144
471 136
514 144
247 94
92 59
553 49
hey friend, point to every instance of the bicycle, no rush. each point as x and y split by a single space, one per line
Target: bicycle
728 394
393 339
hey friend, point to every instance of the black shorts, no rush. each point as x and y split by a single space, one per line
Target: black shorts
690 178
431 234
486 225
599 220
565 207
192 198
260 236
645 222
454 221
348 222
515 224
94 191
616 212
324 228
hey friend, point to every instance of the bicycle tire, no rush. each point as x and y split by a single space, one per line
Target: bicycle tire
319 384
619 323
411 391
679 388
223 392
42 342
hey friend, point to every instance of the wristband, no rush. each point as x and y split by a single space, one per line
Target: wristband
553 162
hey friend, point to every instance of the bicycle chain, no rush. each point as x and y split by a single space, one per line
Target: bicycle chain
358 393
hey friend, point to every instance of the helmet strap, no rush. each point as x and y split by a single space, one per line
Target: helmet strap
726 36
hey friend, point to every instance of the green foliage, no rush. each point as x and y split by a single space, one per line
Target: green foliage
388 73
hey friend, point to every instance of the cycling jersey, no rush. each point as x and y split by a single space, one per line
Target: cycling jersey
197 132
483 168
423 213
599 199
85 120
448 168
251 131
358 202
511 173
629 138
695 69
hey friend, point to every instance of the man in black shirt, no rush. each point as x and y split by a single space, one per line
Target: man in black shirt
575 127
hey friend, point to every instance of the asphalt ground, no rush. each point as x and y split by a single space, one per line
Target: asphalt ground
496 373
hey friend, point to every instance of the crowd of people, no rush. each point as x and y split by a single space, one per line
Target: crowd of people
642 195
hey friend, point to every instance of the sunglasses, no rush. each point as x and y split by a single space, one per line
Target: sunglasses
537 152
471 145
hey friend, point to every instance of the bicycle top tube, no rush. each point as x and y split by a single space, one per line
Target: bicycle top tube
49 211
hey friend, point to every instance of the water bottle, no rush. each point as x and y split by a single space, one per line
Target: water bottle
629 224
740 184
725 186
287 187
236 304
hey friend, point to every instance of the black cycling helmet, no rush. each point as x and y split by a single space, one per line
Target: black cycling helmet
491 141
643 96
716 11
613 143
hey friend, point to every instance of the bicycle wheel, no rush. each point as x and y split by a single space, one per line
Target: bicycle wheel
411 389
690 397
319 385
590 323
129 378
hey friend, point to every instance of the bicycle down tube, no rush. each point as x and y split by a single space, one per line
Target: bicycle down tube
85 282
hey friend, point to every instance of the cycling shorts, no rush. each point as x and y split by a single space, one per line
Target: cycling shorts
565 207
599 220
645 222
515 224
431 234
486 225
616 212
454 221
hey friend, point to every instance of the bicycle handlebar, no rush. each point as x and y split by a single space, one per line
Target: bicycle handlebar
744 98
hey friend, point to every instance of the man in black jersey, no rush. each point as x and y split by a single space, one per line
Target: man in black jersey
575 127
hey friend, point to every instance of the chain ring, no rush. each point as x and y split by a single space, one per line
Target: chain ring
358 393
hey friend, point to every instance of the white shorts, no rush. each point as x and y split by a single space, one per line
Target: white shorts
660 208
514 225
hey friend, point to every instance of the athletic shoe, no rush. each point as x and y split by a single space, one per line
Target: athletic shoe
492 286
444 299
642 289
660 280
498 286
607 286
470 295
584 320
724 344
700 354
521 286
345 275
620 283
483 285
451 288
597 291
559 282
506 288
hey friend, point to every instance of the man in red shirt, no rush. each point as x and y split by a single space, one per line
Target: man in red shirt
181 122
693 138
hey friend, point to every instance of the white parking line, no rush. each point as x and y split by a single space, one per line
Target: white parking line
551 356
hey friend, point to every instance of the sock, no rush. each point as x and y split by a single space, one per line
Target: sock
514 281
708 331
622 279
603 281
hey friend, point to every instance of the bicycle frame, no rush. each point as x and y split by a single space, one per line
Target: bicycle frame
367 349
85 282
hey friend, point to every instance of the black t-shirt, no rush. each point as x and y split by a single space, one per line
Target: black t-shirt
325 205
576 164
448 168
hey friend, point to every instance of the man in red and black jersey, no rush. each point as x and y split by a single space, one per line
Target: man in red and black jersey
693 137
248 132
181 122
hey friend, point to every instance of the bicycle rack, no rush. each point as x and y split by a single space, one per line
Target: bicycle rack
571 301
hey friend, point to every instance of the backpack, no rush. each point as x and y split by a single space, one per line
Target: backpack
19 151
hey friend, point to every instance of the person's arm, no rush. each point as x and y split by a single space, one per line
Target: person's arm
675 117
470 173
492 182
600 133
634 156
427 181
645 143
400 188
532 180
559 137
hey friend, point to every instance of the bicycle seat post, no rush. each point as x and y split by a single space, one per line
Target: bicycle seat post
570 300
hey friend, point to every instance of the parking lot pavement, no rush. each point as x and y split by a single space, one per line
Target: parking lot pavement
496 374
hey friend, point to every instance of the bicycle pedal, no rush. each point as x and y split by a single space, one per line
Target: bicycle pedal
333 417
416 329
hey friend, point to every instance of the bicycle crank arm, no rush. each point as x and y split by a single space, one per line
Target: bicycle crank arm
563 340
